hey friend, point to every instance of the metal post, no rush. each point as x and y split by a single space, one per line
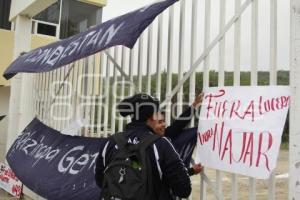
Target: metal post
273 75
181 55
170 62
159 56
294 147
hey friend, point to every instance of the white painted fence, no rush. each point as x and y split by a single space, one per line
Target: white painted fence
190 38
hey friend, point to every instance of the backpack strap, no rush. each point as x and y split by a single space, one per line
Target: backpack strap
147 140
120 139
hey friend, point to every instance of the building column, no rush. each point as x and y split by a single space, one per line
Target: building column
294 138
22 42
21 103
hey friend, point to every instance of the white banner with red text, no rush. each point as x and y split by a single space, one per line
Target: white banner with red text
9 182
240 128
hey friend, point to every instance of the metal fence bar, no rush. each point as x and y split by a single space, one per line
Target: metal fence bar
93 96
294 147
65 101
149 58
181 55
170 61
254 42
100 96
194 20
73 92
212 186
132 86
47 95
202 185
51 120
236 82
36 91
113 96
53 108
85 72
273 42
38 96
254 36
131 67
107 88
206 74
159 56
221 69
69 94
59 94
206 42
43 112
97 79
140 61
273 75
121 121
56 108
237 46
219 174
76 92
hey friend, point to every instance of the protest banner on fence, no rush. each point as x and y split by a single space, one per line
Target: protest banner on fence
9 182
62 167
240 128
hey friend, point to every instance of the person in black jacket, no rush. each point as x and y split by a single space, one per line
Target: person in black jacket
170 176
178 125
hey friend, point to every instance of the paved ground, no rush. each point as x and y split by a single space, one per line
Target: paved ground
6 196
243 182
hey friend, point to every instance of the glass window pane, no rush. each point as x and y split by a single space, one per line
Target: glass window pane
51 14
4 10
78 17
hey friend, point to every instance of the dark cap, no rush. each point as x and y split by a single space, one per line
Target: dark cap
140 107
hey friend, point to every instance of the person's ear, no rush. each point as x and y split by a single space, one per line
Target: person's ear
151 118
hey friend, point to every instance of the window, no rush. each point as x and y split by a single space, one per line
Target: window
78 17
47 21
4 17
75 17
51 14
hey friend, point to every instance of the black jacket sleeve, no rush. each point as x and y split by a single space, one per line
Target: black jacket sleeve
180 123
175 174
191 171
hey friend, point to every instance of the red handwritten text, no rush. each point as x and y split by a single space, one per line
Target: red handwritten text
219 107
251 153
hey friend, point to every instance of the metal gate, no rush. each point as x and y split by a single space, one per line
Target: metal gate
193 45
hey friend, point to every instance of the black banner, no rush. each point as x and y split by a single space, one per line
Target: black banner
122 30
2 117
62 167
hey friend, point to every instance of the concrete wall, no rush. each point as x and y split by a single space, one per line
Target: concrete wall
7 45
40 40
6 52
4 100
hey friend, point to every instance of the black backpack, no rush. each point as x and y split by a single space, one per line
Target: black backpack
128 176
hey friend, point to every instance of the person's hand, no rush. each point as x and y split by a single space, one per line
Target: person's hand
197 168
198 100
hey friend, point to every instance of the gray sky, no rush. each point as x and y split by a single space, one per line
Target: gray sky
118 7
